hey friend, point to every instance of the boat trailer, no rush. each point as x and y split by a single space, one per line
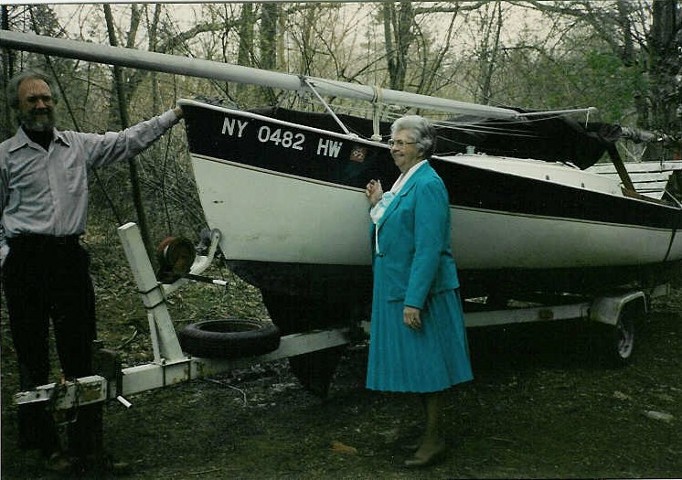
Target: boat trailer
171 365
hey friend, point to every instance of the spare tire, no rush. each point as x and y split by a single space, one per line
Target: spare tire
229 338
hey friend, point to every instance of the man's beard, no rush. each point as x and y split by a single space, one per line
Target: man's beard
30 121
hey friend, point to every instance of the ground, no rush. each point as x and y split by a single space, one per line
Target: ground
543 405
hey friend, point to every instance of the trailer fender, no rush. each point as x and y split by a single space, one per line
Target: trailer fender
619 314
608 309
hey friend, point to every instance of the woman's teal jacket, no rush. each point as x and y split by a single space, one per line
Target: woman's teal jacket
412 256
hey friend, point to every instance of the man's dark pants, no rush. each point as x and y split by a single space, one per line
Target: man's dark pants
48 278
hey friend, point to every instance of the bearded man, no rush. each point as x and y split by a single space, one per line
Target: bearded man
45 270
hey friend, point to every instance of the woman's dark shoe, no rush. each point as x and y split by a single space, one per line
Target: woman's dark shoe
412 443
58 463
410 447
433 458
101 465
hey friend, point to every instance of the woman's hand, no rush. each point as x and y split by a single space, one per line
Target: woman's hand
373 191
411 318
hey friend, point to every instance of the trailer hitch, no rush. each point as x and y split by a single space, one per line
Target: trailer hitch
107 364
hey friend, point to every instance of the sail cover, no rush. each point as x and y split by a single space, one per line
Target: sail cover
551 138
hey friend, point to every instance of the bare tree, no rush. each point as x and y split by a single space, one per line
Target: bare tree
246 38
665 54
122 101
398 32
7 56
491 26
645 35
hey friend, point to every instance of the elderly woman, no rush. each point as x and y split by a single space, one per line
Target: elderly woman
418 341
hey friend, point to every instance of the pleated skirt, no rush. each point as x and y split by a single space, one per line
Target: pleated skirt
431 359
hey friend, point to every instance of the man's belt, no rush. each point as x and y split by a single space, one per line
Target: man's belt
36 239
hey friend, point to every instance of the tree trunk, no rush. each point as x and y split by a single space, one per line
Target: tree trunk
125 122
153 45
244 55
399 37
268 36
7 72
488 56
268 41
664 66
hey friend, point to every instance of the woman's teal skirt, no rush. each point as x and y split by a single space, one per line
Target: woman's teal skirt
431 359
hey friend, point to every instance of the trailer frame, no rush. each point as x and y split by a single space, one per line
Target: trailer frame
171 366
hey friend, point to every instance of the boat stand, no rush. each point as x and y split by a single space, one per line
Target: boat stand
170 365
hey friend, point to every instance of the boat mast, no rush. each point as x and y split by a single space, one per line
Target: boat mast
161 62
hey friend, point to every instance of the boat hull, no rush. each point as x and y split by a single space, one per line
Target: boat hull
289 201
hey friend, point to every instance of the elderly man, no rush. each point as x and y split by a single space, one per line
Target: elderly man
45 270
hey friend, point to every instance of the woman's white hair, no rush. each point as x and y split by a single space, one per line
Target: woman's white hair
423 132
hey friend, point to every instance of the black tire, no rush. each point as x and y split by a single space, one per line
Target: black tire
229 338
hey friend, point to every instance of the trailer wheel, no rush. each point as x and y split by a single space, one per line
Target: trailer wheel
229 338
620 338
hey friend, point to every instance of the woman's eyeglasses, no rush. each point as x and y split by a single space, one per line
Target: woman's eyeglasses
399 143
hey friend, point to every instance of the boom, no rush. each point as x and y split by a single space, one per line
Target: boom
161 62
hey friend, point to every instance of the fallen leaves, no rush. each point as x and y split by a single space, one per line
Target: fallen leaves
342 448
661 416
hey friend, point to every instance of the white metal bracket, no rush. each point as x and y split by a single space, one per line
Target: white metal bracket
162 330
